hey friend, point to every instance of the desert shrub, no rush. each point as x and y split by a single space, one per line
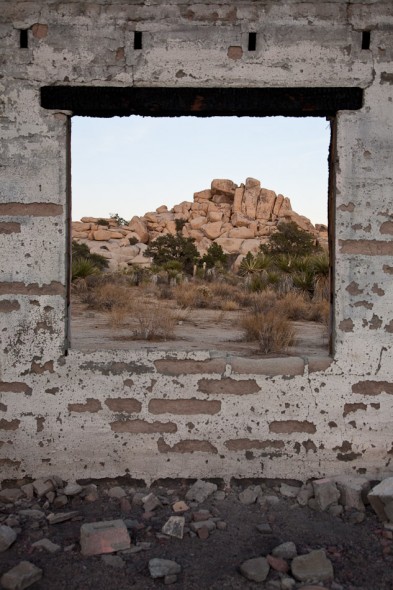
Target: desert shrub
103 221
294 306
290 239
185 295
214 257
119 220
173 248
304 281
133 240
229 305
80 250
82 268
153 321
107 296
319 312
273 332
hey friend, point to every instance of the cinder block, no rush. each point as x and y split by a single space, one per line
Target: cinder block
104 537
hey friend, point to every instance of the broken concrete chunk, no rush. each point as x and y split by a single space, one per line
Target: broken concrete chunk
150 502
47 545
21 576
61 517
72 489
116 492
7 537
256 569
380 497
43 486
201 490
325 492
209 525
250 495
104 537
313 566
174 527
180 506
160 568
289 491
305 493
352 489
10 495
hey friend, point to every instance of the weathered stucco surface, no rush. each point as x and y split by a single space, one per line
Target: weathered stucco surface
106 414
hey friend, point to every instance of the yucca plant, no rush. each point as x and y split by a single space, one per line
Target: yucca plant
254 264
82 268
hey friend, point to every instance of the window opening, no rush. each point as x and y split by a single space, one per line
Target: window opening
199 300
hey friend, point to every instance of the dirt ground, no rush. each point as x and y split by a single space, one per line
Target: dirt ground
361 554
196 329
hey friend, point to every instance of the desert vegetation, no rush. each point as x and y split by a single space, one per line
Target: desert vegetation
287 280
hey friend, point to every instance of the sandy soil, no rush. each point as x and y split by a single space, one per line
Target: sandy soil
196 329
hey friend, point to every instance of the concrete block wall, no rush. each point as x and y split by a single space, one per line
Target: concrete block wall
151 414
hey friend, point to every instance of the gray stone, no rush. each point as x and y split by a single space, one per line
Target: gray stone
249 495
43 486
305 493
72 489
116 492
174 527
201 490
325 492
47 545
352 489
380 496
114 561
256 569
210 525
150 502
21 576
313 566
270 500
264 528
28 490
289 491
285 550
219 495
10 495
335 509
61 517
172 579
159 568
7 537
288 583
32 513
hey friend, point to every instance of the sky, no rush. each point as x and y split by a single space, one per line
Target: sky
133 165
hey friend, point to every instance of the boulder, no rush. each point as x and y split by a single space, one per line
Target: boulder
214 216
238 198
138 226
244 233
162 209
266 203
229 245
240 220
205 195
212 230
223 186
249 246
197 222
250 201
102 235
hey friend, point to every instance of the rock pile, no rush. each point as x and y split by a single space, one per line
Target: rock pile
152 533
238 218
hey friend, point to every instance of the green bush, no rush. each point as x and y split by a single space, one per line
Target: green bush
291 239
214 257
173 248
82 268
119 220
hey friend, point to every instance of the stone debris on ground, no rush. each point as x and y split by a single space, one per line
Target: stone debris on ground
174 535
21 576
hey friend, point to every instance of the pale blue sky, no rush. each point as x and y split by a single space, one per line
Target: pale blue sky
132 165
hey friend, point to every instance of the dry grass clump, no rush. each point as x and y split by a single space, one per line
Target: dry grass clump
153 322
319 311
106 296
272 330
294 306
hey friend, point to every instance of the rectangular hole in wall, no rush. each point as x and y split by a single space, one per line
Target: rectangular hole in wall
149 168
23 38
252 41
366 39
137 40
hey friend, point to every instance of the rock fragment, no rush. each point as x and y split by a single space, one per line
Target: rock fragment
150 502
159 568
249 495
285 550
72 489
381 499
313 566
104 537
116 492
47 545
21 576
201 490
326 493
56 518
10 495
174 527
114 561
7 537
43 486
256 569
